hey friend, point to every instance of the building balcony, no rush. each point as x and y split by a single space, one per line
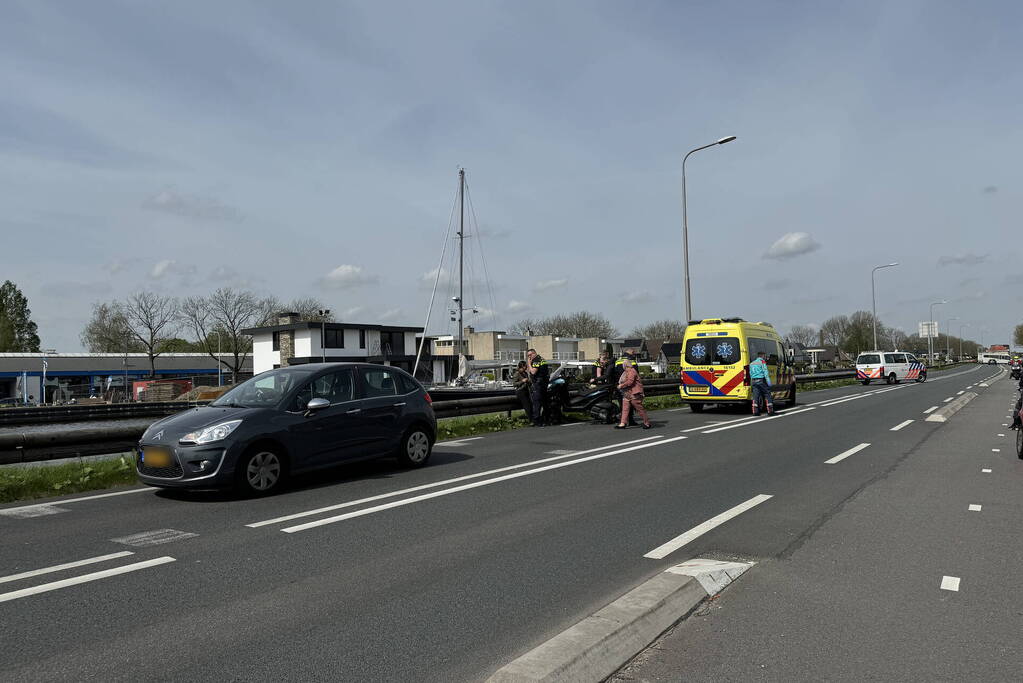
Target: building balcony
510 355
567 355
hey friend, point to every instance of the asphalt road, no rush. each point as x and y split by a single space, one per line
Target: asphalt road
443 573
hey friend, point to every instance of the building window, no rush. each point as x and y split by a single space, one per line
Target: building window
362 339
276 341
334 339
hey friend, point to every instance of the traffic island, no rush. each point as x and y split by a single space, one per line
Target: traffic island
602 643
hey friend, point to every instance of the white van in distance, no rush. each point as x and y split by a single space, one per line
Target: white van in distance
892 367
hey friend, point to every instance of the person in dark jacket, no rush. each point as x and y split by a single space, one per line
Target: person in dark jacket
540 375
520 379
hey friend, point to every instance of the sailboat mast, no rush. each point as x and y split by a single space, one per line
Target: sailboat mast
461 255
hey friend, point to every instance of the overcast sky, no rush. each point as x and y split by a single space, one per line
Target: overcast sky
311 149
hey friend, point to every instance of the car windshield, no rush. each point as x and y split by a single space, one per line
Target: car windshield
868 359
262 391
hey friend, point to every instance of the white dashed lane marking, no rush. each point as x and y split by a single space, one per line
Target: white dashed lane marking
974 508
948 399
986 470
901 425
930 410
845 454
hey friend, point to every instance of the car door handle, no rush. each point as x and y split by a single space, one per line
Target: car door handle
353 411
399 404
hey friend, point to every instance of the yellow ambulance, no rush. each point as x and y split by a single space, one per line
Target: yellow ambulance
716 354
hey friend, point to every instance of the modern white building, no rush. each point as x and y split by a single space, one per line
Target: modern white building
294 343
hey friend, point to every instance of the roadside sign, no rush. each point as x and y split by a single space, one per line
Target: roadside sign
929 330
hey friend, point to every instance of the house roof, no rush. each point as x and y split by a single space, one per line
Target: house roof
653 348
329 326
671 349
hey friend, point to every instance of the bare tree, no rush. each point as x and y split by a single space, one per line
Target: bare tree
308 309
835 330
217 322
802 334
661 330
150 319
578 324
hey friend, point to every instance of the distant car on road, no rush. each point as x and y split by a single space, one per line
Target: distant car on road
287 421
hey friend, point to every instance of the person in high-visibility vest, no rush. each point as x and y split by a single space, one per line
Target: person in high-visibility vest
540 374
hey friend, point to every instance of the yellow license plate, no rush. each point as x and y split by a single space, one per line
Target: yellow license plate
697 390
156 457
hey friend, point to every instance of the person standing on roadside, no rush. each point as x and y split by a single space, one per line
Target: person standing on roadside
602 372
760 384
539 376
631 387
520 379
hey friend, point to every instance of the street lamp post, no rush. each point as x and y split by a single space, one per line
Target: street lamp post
873 297
961 339
930 339
685 225
220 363
948 336
323 334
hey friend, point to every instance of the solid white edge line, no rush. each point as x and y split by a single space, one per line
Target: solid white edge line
466 487
725 422
930 410
843 400
444 482
758 420
61 567
662 551
845 454
950 583
85 578
76 500
901 425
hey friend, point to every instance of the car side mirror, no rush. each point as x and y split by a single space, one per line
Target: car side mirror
315 405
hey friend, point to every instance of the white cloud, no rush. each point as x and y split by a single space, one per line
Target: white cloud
390 315
221 273
115 267
962 260
544 285
170 267
349 314
191 206
519 306
427 279
347 276
792 244
641 297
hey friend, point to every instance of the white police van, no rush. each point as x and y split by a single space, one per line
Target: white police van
890 366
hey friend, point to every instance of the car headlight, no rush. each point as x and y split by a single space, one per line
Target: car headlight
211 434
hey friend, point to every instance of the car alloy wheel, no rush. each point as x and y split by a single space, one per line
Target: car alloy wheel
415 448
263 471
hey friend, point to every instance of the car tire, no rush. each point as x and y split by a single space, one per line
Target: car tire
696 407
890 379
415 447
991 362
922 377
261 471
865 382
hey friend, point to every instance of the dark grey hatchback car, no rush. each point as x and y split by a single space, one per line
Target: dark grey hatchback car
288 421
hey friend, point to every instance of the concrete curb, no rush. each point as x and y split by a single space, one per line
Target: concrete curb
952 408
602 643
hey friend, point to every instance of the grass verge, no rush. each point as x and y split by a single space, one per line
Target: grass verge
24 483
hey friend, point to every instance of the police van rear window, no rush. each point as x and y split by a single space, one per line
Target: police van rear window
868 359
713 351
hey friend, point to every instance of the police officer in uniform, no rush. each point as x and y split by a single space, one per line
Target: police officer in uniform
540 374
